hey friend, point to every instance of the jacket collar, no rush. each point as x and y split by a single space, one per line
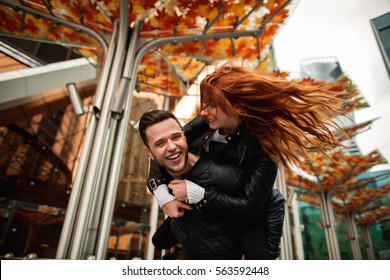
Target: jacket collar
239 133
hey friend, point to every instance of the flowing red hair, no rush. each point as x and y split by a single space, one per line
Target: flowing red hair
286 117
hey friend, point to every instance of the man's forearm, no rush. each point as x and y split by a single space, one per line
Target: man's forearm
162 195
195 193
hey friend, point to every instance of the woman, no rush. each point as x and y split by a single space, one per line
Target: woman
287 118
258 122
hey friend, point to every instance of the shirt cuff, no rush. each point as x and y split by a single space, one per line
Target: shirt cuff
162 195
195 193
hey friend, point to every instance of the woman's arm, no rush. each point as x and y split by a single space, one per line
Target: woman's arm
195 129
252 200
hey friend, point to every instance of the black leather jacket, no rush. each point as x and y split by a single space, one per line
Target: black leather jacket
209 236
259 201
242 150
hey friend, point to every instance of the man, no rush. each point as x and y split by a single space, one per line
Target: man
201 237
165 144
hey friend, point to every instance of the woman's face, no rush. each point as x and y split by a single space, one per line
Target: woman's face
218 119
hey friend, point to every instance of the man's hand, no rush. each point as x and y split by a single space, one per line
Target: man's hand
175 208
179 189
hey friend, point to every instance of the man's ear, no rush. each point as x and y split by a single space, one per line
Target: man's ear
149 153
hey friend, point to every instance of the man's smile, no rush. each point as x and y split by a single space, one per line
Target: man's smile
174 156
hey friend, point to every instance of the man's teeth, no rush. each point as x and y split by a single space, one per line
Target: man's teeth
175 156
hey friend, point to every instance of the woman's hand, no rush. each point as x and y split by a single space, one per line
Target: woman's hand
179 189
175 208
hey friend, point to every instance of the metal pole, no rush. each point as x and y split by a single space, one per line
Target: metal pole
297 229
332 228
329 228
153 227
353 235
117 133
286 244
99 196
101 89
100 138
125 90
367 242
324 224
73 204
350 235
74 199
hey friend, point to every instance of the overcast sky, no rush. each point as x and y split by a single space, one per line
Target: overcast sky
342 28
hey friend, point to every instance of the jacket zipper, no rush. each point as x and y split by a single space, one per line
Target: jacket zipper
242 157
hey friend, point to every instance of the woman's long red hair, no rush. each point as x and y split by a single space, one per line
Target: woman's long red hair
286 117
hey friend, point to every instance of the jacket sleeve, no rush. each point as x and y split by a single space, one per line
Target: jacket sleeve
195 128
251 201
155 176
274 212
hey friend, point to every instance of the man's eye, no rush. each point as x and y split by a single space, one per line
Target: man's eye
159 144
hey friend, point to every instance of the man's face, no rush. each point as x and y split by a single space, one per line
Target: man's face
168 146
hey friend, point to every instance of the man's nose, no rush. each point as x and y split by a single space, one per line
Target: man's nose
171 145
203 112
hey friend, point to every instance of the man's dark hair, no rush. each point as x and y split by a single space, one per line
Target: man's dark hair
152 117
